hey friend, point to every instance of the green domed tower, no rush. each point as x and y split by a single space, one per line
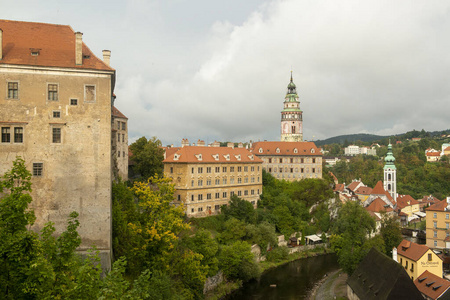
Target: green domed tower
390 173
291 116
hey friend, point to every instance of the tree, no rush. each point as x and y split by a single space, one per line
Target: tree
391 232
203 243
351 229
240 209
238 262
148 156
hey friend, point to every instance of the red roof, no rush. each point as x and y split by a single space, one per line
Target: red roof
364 190
352 186
378 205
438 206
405 200
55 43
116 113
379 190
339 187
411 250
202 154
431 285
285 148
433 154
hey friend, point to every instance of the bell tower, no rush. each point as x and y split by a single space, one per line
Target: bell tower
390 174
291 116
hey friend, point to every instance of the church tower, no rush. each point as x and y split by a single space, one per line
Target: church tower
291 116
390 174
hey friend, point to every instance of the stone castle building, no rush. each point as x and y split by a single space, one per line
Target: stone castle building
55 112
291 116
120 144
206 177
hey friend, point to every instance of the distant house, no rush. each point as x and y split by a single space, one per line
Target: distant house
417 259
378 277
408 205
432 286
427 201
363 193
379 192
438 225
433 156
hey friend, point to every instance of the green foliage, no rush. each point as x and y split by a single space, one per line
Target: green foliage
240 209
391 233
148 156
278 254
237 261
262 234
234 230
203 243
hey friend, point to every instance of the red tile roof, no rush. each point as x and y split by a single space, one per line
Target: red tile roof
433 154
352 186
364 190
191 154
379 190
411 250
116 113
431 285
56 45
405 200
339 187
286 148
378 205
438 206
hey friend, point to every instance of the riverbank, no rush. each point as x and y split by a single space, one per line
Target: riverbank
332 286
229 287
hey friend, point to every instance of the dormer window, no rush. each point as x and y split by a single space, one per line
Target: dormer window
176 157
199 156
216 156
238 157
260 150
312 150
295 150
278 150
35 52
251 157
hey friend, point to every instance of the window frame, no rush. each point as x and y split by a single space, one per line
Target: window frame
73 100
8 82
38 169
85 93
53 129
49 92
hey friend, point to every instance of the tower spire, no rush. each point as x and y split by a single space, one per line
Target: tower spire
291 115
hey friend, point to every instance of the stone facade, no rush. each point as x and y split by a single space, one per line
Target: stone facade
290 160
206 177
55 112
120 144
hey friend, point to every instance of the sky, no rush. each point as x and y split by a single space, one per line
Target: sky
219 70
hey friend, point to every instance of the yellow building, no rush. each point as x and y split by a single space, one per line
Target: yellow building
206 177
55 112
438 225
408 205
417 259
290 160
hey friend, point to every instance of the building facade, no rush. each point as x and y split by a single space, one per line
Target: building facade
291 116
120 144
438 225
55 112
206 177
289 160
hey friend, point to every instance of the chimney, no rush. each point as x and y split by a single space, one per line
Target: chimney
1 44
230 145
106 56
78 48
200 143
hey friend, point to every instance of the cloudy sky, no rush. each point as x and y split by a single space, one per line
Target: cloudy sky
218 70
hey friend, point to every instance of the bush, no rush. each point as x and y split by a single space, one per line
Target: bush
278 254
238 262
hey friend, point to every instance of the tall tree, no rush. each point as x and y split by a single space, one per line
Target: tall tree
148 156
391 232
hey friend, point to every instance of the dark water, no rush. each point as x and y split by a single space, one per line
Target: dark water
294 280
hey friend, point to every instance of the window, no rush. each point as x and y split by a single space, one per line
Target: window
281 160
245 169
217 196
224 169
118 137
37 169
270 160
313 160
200 182
200 197
208 196
224 194
239 193
123 138
208 182
18 134
179 197
239 169
239 180
435 215
217 182
118 154
208 170
246 193
89 93
118 125
192 182
192 210
253 179
216 207
252 192
246 180
447 226
224 181
406 265
252 169
231 194
231 169
124 126
292 170
314 170
446 216
192 170
232 180
6 135
73 102
302 160
435 245
56 114
200 170
13 90
412 267
270 170
281 170
430 256
301 170
52 93
192 197
435 234
217 169
435 224
200 209
56 135
292 160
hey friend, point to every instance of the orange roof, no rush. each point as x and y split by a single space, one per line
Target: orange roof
431 285
405 200
364 190
352 186
374 215
55 43
411 250
433 154
116 113
201 154
170 151
339 187
379 190
438 206
285 148
378 205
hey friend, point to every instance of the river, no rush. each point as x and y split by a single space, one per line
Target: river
293 280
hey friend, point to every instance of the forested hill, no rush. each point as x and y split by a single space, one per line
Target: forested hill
350 138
